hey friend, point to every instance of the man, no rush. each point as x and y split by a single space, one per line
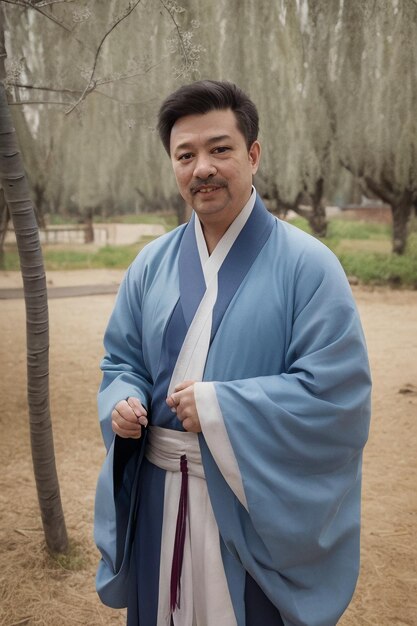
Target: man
234 403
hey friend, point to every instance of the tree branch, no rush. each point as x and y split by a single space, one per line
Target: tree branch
40 88
98 82
47 3
71 92
350 169
108 81
91 85
28 5
177 28
37 102
379 190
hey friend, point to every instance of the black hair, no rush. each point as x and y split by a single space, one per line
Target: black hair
207 95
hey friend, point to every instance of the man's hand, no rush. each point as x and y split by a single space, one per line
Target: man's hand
128 417
182 402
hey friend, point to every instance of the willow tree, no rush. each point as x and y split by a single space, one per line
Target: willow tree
375 95
17 198
267 48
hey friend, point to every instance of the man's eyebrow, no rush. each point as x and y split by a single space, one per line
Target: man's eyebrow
187 145
219 138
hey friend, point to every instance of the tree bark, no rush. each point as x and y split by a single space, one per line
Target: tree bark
317 219
4 222
401 213
316 216
401 207
17 197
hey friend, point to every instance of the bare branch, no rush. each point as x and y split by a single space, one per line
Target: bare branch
47 3
49 16
124 77
21 103
123 102
40 88
28 5
177 28
91 84
72 92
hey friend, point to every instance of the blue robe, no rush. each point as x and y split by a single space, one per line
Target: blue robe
291 374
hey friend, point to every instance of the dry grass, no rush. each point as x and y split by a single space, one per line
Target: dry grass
36 589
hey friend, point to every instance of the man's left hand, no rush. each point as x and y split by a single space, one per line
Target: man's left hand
182 402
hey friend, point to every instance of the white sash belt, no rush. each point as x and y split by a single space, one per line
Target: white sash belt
164 448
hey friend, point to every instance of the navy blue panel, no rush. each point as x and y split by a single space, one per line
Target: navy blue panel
142 606
128 455
192 283
244 251
192 288
258 608
174 335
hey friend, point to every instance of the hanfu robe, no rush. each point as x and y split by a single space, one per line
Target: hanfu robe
286 383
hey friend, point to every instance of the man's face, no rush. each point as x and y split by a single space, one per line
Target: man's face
212 165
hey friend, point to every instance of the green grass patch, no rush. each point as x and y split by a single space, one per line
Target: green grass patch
381 269
55 219
349 229
115 257
168 220
364 250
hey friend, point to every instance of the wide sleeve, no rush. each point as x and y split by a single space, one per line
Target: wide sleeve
298 437
124 371
124 374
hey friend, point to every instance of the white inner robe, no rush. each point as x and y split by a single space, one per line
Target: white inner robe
205 598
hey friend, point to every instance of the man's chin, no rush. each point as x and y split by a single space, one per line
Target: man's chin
208 207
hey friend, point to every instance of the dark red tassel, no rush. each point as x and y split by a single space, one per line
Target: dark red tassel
178 555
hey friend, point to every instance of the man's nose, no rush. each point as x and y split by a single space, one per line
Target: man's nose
204 166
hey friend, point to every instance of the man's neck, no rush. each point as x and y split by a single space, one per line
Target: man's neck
214 229
212 235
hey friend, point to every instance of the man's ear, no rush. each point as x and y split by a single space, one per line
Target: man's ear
255 156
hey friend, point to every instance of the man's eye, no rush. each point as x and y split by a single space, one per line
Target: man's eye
220 149
185 157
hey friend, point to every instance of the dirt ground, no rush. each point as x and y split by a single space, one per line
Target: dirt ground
36 590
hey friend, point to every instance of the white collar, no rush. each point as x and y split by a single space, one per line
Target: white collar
211 264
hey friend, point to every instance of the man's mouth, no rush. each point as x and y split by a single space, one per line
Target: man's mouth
205 189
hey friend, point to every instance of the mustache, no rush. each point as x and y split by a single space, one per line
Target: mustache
205 182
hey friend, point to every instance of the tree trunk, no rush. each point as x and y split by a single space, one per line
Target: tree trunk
4 222
89 228
317 219
401 213
16 192
401 204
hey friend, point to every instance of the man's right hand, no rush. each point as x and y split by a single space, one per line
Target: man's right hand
128 417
